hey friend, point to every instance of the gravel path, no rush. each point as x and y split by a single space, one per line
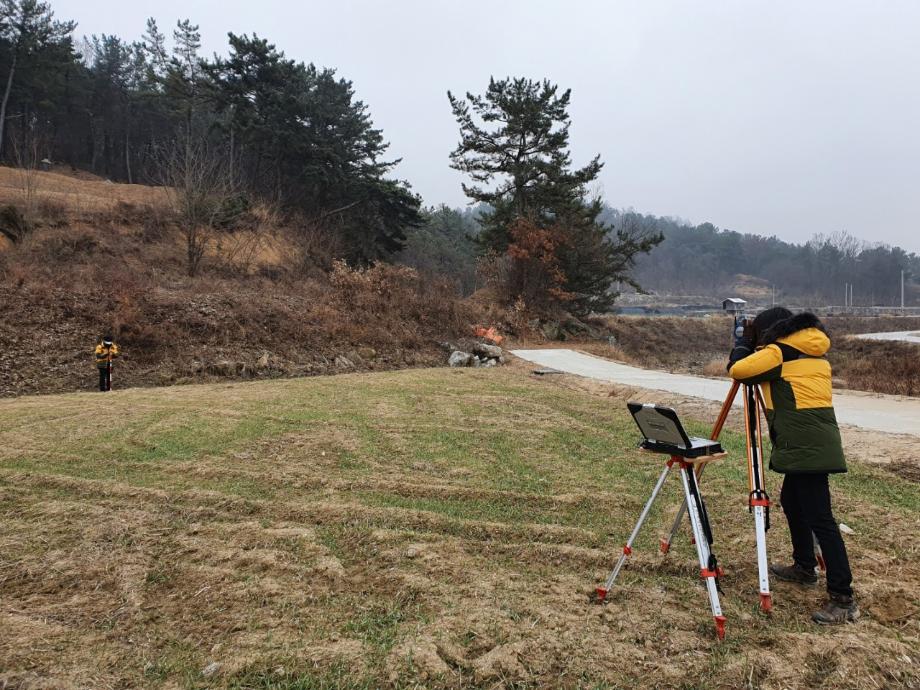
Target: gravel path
887 413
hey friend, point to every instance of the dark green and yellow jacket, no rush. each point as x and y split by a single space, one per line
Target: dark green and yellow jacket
795 378
105 354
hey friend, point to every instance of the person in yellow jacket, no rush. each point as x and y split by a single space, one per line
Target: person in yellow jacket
106 351
786 354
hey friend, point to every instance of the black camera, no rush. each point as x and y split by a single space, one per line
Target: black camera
741 328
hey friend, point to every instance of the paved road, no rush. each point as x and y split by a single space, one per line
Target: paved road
888 413
904 336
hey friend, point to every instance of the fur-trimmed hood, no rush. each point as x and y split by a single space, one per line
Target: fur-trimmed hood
794 324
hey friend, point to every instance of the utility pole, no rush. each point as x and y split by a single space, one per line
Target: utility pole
902 289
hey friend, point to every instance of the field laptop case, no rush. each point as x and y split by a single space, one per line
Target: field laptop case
664 433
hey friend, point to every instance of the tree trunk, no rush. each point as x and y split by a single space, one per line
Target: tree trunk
128 158
232 153
6 99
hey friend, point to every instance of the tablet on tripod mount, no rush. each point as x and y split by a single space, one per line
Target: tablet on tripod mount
664 433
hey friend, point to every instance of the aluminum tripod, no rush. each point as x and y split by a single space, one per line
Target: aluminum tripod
758 500
702 534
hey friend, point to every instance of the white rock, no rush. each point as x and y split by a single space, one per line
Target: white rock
846 529
487 351
210 669
459 359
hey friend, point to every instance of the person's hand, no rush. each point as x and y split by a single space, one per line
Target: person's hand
744 348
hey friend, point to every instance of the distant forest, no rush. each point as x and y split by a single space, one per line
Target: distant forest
704 260
254 124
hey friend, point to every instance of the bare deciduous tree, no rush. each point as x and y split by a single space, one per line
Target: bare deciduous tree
27 154
202 192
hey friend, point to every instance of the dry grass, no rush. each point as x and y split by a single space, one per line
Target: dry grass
78 195
414 529
878 366
701 346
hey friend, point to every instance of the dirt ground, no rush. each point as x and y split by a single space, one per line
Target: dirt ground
423 528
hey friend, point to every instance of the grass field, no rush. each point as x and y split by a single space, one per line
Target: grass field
421 528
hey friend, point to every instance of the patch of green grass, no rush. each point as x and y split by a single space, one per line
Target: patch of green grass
348 541
157 577
377 623
880 488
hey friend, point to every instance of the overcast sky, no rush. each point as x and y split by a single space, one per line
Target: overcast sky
785 118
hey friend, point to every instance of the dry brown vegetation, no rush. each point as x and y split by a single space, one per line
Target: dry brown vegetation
878 366
79 194
426 528
103 257
701 346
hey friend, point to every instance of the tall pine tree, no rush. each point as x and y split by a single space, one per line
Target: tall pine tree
514 143
308 142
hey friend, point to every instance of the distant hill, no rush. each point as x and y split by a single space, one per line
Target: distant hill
706 260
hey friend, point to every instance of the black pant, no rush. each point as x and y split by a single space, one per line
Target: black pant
105 379
806 501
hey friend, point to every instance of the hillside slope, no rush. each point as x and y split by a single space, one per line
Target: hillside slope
103 257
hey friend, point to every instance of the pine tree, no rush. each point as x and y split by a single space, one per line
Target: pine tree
27 28
154 47
526 155
514 143
309 143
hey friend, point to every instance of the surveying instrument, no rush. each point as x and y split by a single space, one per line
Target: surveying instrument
691 470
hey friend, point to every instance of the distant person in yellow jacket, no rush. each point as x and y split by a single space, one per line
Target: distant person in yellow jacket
106 351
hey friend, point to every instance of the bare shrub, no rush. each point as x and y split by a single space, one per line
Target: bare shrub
63 246
26 155
386 294
236 251
318 247
156 223
50 212
14 224
882 367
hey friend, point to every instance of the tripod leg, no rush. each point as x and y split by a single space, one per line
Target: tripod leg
709 571
818 554
627 547
665 543
763 575
758 500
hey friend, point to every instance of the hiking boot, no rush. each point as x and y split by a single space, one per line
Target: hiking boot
794 573
839 609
